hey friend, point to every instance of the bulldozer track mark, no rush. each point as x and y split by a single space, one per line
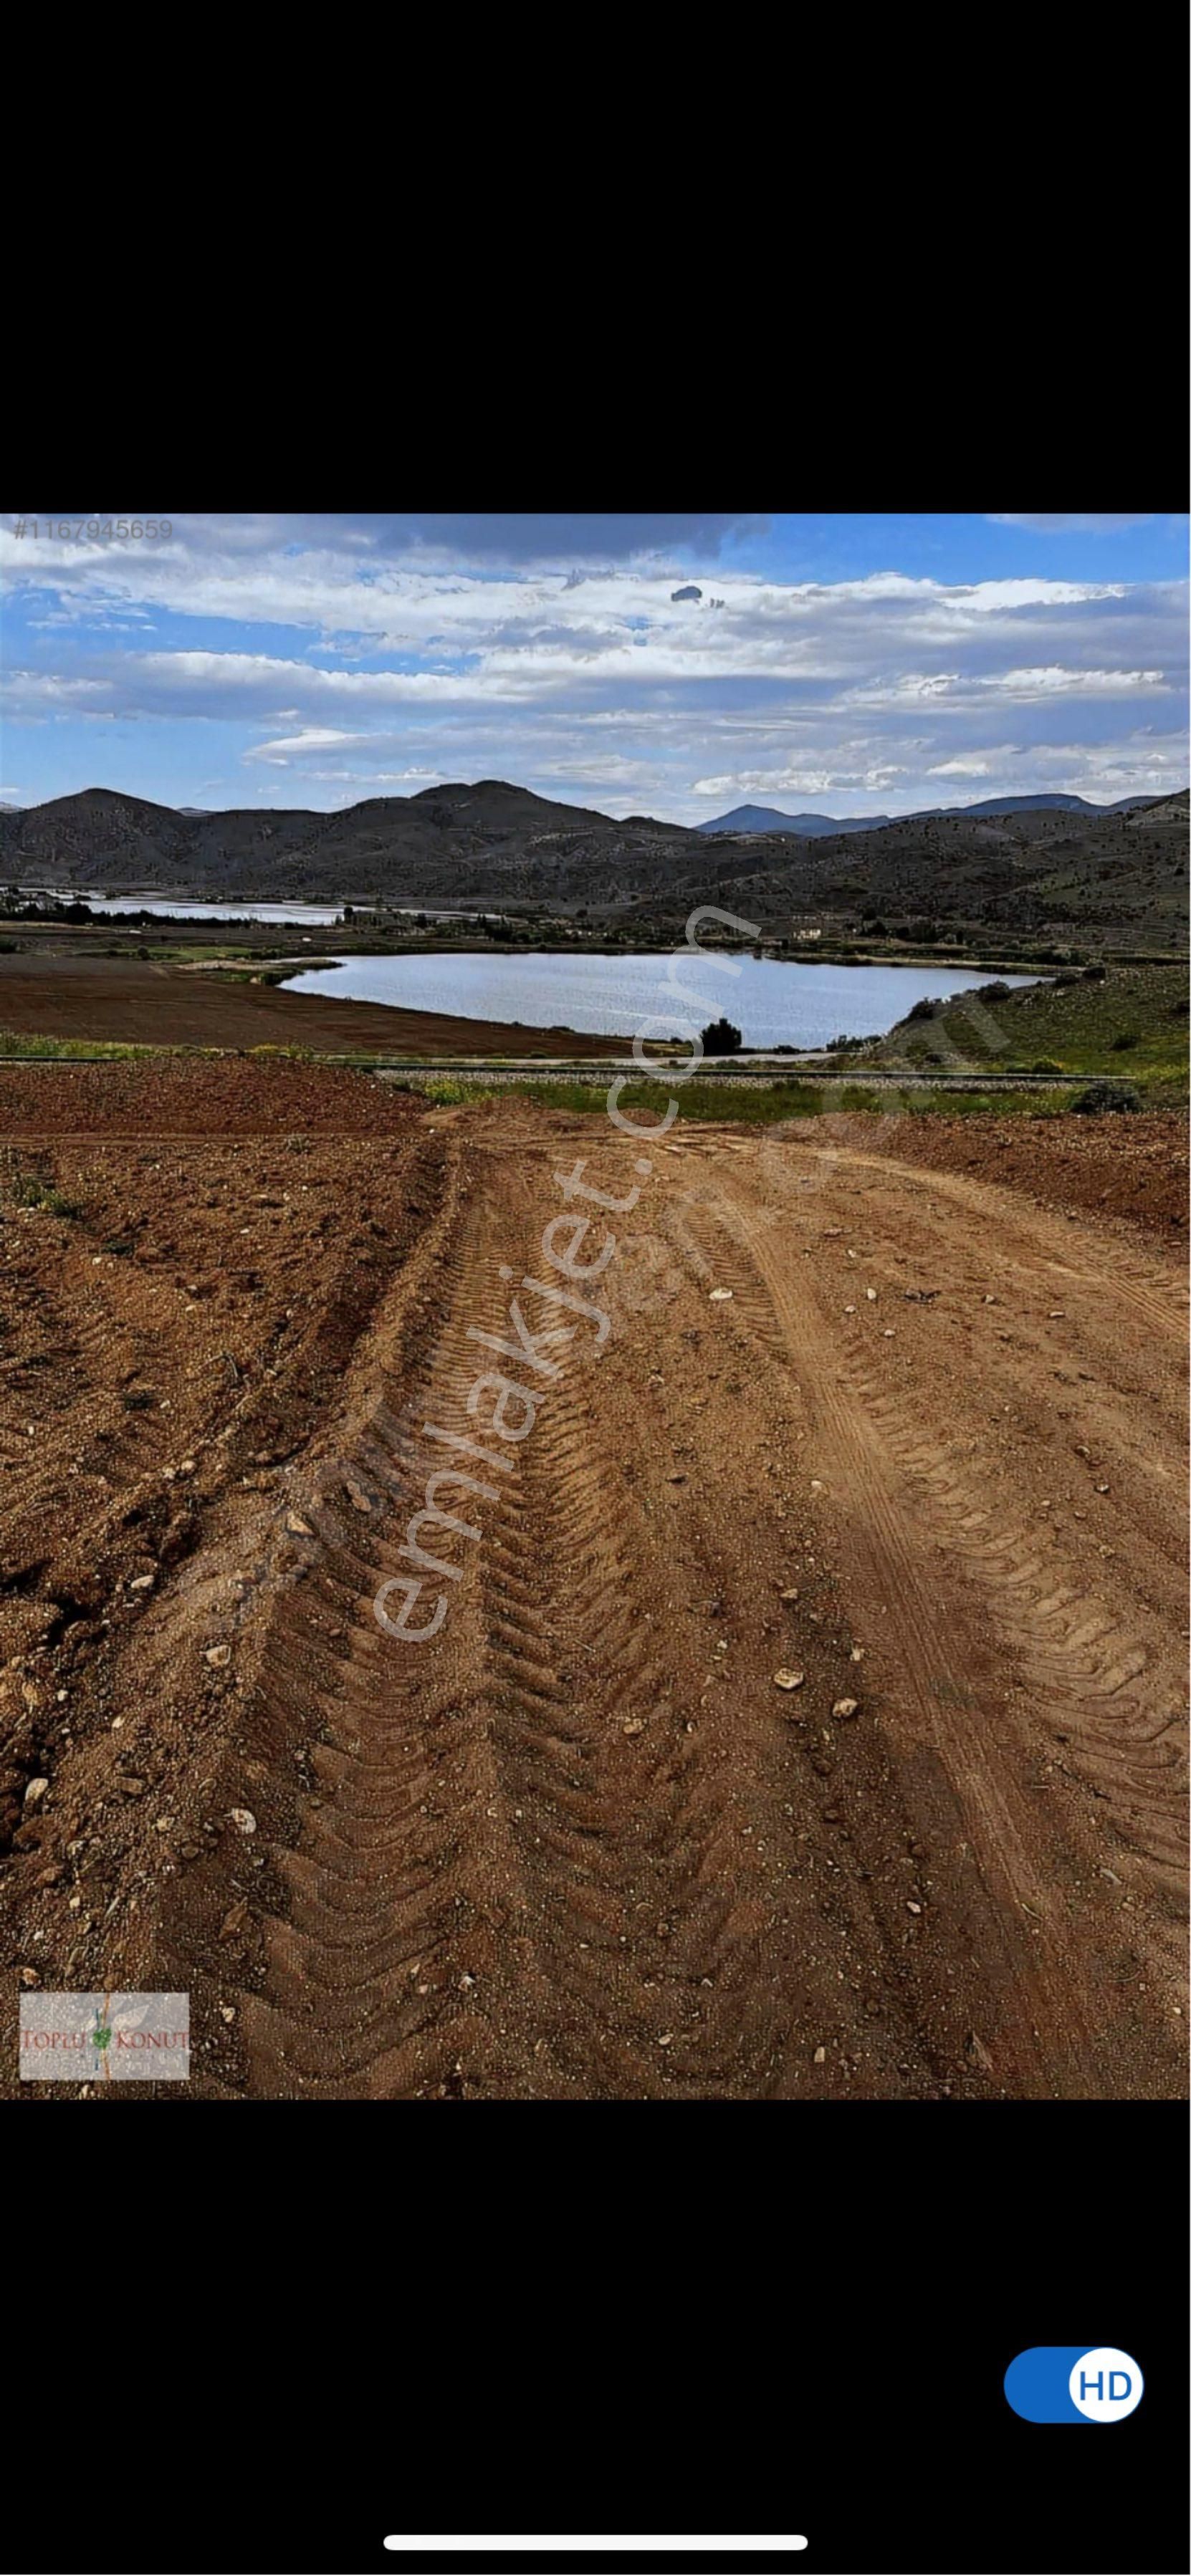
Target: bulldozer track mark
911 1515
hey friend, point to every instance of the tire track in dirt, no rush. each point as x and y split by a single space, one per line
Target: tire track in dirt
403 1845
528 1860
499 1808
652 1938
694 1937
1123 1391
1121 1276
953 1794
1079 1657
904 1504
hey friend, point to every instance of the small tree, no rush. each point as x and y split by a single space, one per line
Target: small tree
720 1038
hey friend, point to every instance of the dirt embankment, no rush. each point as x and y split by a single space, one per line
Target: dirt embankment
137 1003
1124 1166
911 1440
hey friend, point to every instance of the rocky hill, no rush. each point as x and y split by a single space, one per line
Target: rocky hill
1036 871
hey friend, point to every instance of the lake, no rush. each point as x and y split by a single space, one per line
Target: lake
311 916
772 1004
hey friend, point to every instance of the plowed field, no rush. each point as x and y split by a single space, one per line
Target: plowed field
906 1436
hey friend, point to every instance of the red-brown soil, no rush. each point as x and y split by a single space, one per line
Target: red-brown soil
580 1844
1132 1166
209 1096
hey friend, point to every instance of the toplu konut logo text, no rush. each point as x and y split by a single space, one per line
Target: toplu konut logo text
105 2039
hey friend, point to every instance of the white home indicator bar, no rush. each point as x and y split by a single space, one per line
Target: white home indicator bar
653 2541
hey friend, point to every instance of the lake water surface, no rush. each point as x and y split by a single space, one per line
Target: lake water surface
311 916
772 1004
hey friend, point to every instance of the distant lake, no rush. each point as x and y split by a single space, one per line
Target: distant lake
772 1004
311 916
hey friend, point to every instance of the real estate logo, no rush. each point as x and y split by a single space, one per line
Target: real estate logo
105 2038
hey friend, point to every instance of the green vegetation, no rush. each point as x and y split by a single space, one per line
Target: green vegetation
30 1190
745 1104
19 1042
1077 1023
445 1092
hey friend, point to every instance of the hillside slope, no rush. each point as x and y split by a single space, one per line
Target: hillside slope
1130 1023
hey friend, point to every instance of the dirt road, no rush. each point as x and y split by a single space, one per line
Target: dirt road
911 1436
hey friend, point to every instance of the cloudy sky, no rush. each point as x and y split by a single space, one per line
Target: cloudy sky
675 665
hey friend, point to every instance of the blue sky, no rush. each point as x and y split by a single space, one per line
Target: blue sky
844 663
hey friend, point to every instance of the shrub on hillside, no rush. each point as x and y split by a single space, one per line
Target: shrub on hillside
1101 1096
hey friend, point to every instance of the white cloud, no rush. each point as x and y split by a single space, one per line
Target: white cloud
1089 523
292 746
396 671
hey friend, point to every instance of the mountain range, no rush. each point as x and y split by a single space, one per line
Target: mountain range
1028 868
769 818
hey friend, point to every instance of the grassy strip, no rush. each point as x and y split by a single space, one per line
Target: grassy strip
19 1042
734 1104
